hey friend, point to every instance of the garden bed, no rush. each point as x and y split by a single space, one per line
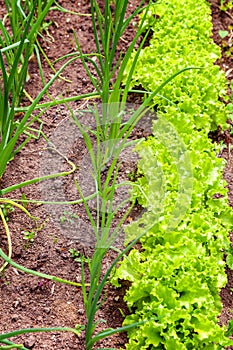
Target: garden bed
27 301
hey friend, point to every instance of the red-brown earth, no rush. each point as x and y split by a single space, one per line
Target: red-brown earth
25 300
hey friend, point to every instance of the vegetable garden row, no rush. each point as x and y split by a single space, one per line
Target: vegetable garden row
177 274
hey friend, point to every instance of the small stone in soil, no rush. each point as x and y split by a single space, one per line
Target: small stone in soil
30 342
14 317
47 310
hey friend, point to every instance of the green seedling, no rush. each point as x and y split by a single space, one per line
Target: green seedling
223 33
77 256
6 209
29 236
227 43
45 28
55 240
74 253
68 217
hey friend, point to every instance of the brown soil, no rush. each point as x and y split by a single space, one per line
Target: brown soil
25 300
223 21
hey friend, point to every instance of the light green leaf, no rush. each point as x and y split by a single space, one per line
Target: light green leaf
223 33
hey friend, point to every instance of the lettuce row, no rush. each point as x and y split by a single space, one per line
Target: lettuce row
177 275
181 38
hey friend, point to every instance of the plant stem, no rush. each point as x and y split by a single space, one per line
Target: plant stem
42 178
36 330
36 273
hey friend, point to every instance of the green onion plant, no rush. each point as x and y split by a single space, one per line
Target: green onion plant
17 46
106 69
111 133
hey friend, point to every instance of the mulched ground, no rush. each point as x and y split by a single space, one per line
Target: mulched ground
26 301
